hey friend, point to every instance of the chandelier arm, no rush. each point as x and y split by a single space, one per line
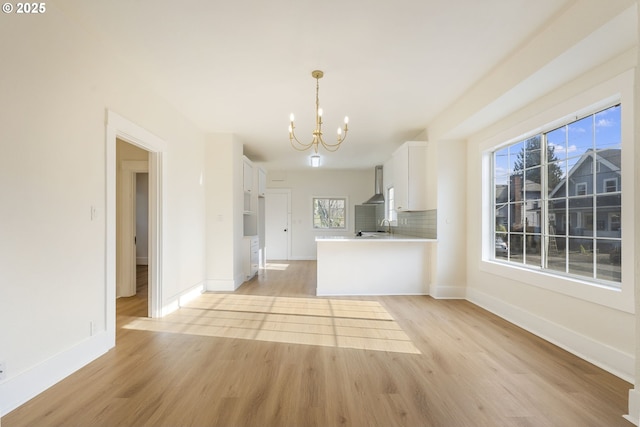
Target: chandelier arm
301 147
328 146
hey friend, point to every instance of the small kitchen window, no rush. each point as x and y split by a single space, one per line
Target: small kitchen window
329 213
391 205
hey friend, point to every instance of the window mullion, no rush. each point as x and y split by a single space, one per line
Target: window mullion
544 229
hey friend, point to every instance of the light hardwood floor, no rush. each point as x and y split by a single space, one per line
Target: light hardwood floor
472 369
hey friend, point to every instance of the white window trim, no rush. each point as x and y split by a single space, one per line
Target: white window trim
579 185
390 215
617 89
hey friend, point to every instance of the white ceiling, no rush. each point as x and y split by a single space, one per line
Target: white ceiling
243 66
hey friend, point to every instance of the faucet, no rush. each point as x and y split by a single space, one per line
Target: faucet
388 225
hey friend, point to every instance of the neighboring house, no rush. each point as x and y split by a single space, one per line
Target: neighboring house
524 203
525 211
580 181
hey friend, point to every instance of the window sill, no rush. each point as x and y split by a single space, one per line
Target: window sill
597 293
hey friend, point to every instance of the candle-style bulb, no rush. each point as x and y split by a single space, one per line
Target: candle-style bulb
320 112
291 117
346 120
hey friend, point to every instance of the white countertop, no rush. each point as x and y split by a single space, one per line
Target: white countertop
374 237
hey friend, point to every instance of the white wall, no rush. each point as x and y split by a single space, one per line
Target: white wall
224 201
57 82
634 395
357 185
448 278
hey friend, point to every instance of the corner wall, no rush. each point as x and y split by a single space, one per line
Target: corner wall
634 395
224 224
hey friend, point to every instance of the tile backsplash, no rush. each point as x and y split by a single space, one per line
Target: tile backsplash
369 217
418 224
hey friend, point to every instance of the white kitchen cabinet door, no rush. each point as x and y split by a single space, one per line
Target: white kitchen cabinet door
250 256
262 183
410 177
247 169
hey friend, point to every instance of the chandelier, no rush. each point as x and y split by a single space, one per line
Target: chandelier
317 133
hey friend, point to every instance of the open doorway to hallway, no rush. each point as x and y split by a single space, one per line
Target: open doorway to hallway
152 149
132 228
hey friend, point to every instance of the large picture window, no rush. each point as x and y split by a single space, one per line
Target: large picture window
558 198
329 213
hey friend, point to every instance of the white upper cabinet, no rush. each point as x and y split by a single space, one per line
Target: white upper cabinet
262 182
410 177
247 169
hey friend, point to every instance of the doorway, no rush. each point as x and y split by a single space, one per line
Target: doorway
277 224
132 215
154 147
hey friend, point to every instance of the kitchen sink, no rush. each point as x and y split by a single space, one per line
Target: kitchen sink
372 235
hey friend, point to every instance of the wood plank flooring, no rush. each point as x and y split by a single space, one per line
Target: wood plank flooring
472 369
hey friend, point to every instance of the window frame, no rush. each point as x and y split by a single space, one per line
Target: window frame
616 89
344 199
390 208
526 242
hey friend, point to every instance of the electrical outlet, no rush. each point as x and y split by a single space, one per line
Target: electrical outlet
3 371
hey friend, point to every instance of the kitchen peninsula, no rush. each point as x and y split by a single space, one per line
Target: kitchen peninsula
373 264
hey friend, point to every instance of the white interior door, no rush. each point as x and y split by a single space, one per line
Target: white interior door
277 221
126 230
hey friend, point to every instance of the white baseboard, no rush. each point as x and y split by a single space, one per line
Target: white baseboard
142 261
19 389
240 279
214 285
175 302
365 294
634 407
606 357
447 292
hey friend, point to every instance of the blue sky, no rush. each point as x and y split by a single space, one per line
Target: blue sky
600 131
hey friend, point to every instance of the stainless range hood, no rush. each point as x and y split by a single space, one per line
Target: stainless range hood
377 198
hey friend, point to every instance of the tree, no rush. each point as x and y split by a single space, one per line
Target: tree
328 213
530 157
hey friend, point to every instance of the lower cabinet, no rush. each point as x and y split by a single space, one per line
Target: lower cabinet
250 249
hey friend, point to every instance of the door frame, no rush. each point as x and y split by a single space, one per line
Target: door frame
287 192
121 128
